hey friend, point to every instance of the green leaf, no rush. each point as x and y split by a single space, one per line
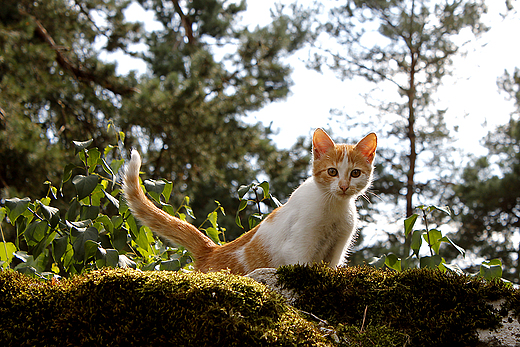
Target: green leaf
243 190
416 241
170 265
254 220
168 209
119 238
7 250
409 223
116 164
90 234
433 238
59 246
393 262
491 269
40 247
141 239
154 188
112 199
431 262
16 207
93 158
35 232
85 185
274 201
213 234
89 212
112 257
212 217
67 174
265 187
107 169
167 192
81 145
3 213
91 249
51 214
457 247
445 209
107 222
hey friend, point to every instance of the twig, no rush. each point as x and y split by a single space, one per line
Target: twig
364 318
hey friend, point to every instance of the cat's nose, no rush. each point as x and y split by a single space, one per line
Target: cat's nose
343 187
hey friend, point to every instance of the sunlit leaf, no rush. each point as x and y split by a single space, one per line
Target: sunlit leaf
393 262
409 223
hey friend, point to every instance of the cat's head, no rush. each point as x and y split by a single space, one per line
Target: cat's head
342 170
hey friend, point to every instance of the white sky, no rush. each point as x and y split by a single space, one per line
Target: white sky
471 94
475 104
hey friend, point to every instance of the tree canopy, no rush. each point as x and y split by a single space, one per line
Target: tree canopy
205 72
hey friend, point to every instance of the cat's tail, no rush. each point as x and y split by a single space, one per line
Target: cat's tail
162 223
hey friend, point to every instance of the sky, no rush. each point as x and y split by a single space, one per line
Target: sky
471 96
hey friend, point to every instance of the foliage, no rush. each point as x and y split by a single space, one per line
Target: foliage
95 230
205 72
487 199
127 307
434 238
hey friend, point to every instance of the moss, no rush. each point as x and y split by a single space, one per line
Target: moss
430 307
126 307
357 306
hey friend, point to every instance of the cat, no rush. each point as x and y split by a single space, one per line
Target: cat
318 222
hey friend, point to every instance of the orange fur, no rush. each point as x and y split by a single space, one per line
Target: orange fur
256 249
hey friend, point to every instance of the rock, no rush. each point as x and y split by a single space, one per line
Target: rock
267 276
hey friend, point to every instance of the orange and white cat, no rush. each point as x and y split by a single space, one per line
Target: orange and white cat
318 222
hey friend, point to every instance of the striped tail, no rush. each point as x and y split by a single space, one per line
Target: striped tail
163 224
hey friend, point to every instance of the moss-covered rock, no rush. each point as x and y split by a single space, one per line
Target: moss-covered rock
127 307
427 307
351 306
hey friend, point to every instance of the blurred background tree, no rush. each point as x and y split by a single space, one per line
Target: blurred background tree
185 115
487 201
407 47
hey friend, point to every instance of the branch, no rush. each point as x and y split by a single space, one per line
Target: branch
186 22
80 72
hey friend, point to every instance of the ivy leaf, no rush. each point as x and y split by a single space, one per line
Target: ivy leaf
93 159
112 199
170 265
85 185
393 262
491 269
243 190
59 246
7 250
51 214
457 247
254 220
16 207
433 238
416 241
265 187
81 145
213 234
154 188
409 223
90 234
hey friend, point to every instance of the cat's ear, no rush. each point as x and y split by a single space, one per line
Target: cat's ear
321 143
367 146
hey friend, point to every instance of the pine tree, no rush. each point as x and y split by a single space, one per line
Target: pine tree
408 46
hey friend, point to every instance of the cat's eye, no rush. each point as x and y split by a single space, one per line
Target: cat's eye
355 173
332 172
